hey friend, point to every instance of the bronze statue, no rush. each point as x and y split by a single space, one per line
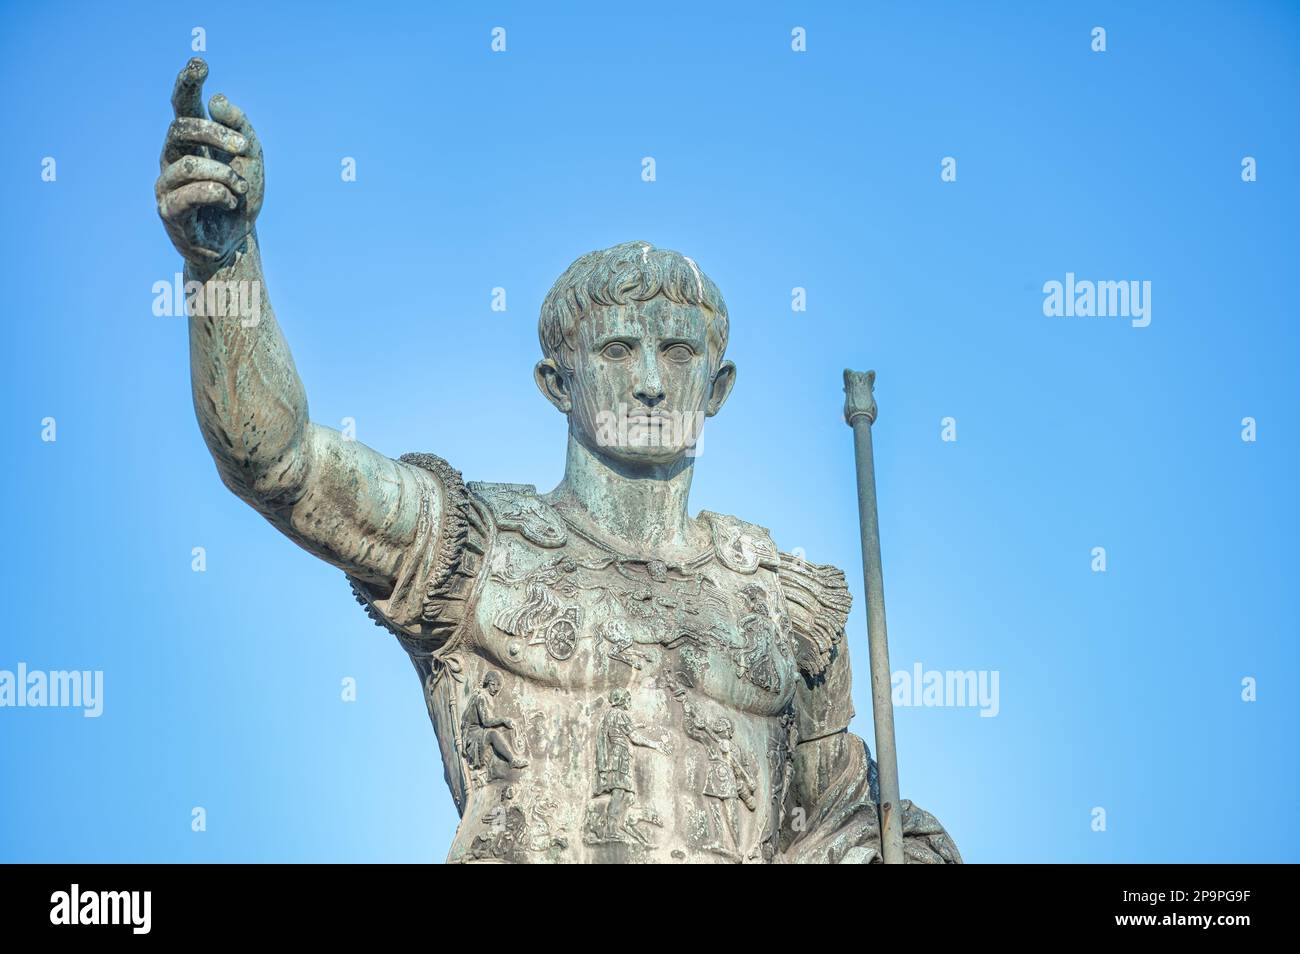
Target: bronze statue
549 629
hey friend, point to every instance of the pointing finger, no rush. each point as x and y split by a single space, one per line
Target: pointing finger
187 96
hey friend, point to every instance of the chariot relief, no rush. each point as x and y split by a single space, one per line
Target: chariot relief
547 616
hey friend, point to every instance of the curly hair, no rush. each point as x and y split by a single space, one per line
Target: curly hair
632 271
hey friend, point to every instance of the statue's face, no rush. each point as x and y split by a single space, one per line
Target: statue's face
643 382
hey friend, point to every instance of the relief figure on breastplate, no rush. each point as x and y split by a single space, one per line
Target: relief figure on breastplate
548 616
614 816
520 825
729 775
488 750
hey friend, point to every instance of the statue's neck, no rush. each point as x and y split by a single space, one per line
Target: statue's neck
642 510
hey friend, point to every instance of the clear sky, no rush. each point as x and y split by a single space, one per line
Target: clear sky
1119 690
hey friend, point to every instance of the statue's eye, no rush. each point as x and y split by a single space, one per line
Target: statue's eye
679 352
616 351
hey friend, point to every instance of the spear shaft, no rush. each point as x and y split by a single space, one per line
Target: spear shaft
860 414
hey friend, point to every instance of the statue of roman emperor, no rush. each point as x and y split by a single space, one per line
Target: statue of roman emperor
609 679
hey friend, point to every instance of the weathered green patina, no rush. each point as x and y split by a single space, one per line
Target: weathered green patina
609 679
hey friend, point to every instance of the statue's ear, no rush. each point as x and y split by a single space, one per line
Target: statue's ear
554 384
724 379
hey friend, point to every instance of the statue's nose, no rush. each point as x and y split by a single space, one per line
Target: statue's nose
650 389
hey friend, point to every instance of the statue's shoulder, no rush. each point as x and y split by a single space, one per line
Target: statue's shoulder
441 569
818 601
516 507
740 545
519 508
816 596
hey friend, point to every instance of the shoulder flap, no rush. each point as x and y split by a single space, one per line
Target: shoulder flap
818 600
517 507
740 546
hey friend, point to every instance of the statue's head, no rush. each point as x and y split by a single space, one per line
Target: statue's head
620 698
634 338
492 682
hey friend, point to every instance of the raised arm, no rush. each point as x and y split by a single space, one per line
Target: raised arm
337 498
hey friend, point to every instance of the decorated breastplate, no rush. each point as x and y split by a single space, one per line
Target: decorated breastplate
562 607
596 705
610 707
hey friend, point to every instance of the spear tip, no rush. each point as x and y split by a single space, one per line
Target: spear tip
859 396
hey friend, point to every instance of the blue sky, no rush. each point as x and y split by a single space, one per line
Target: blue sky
1119 690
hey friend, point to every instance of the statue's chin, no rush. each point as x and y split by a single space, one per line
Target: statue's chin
634 455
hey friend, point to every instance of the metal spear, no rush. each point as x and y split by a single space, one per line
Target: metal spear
860 414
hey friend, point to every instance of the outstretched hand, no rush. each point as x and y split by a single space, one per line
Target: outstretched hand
211 186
